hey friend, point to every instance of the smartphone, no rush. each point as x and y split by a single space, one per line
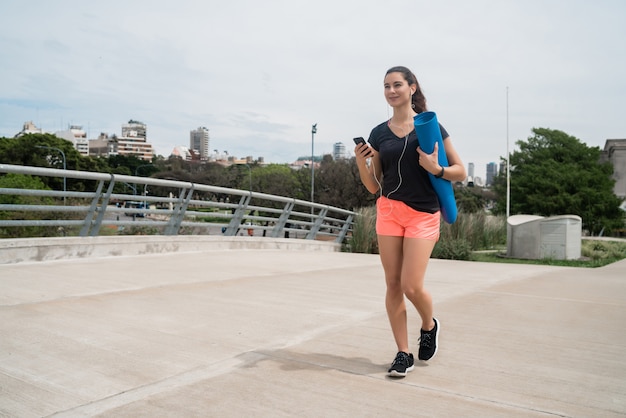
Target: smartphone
360 140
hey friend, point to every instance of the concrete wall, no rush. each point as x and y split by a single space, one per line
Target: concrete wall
536 237
46 249
615 152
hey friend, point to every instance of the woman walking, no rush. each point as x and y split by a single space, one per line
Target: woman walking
407 211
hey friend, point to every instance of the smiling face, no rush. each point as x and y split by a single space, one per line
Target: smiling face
397 90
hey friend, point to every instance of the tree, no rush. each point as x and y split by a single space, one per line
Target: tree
556 174
276 179
337 183
41 150
20 181
469 199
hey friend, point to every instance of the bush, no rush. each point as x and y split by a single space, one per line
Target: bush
454 249
480 230
603 250
363 239
470 232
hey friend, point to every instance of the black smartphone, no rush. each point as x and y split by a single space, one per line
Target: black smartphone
360 140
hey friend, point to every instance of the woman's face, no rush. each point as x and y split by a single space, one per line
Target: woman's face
397 90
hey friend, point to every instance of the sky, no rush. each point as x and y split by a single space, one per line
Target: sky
259 74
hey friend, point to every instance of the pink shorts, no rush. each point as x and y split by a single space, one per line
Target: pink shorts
395 218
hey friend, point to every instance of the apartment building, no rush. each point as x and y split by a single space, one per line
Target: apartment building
199 142
132 142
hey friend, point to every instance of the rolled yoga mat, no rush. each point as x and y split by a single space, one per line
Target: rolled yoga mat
428 133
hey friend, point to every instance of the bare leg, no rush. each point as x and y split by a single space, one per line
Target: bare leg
391 256
415 261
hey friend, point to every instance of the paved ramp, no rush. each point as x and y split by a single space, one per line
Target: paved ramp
297 333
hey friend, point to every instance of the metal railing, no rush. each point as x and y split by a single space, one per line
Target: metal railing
169 207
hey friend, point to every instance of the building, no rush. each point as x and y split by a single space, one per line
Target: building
132 142
77 136
185 153
29 128
99 147
134 129
74 134
615 153
470 170
339 151
199 142
492 171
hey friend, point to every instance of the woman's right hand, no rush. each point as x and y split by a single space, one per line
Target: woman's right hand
368 172
362 152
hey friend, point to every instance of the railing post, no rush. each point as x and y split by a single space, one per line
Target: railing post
235 221
95 229
344 229
282 220
92 210
179 212
315 228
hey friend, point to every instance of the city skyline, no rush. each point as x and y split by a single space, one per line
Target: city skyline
338 150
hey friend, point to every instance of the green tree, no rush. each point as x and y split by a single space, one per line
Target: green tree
469 199
337 183
556 174
42 150
276 179
20 181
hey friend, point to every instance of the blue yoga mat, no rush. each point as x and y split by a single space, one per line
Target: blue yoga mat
429 133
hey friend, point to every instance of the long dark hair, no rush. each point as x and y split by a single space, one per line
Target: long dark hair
418 99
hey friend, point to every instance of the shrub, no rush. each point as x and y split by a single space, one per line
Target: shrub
470 232
363 239
480 230
454 249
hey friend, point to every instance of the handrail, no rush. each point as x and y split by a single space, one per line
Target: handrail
169 214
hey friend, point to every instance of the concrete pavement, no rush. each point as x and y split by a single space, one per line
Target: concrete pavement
290 331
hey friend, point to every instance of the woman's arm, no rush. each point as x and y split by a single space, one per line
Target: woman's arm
370 174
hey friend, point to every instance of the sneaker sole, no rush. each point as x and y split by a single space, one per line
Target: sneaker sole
399 374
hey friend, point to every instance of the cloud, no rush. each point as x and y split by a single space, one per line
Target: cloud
259 74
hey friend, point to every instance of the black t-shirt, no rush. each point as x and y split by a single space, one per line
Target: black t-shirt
403 178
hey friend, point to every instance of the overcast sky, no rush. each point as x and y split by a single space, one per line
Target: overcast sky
258 74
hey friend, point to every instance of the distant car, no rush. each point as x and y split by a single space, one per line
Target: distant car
136 205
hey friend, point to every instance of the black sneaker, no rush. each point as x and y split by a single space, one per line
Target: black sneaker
429 342
402 364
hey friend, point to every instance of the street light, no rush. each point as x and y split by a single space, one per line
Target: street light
64 166
137 175
250 172
145 186
508 160
313 132
138 167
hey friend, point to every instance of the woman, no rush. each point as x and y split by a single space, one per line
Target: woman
407 211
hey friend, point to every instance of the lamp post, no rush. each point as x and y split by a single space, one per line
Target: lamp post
138 167
313 132
250 177
64 166
145 186
508 160
136 175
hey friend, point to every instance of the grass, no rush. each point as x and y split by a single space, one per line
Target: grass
594 253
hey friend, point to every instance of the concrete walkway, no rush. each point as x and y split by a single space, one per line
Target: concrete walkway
275 333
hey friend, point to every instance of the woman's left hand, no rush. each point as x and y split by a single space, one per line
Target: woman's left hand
429 162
